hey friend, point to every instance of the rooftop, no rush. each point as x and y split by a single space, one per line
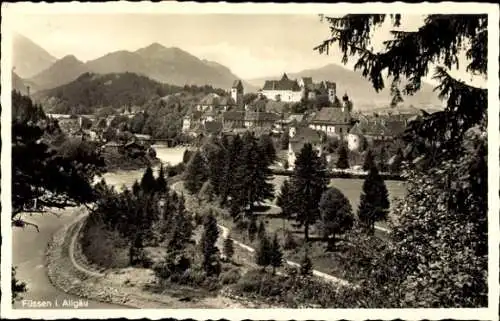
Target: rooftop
283 84
331 115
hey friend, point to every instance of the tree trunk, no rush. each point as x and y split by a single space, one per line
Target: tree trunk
306 232
274 270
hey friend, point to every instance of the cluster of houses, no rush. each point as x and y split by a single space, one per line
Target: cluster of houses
218 115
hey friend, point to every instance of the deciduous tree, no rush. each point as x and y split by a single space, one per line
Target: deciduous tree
336 214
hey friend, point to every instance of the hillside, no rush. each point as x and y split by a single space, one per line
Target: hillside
360 89
28 57
18 84
61 72
167 65
91 91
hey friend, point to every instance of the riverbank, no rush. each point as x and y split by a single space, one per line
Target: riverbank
127 287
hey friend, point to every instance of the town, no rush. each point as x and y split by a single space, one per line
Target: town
151 178
330 126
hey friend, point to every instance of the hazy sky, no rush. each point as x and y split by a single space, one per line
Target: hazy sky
250 45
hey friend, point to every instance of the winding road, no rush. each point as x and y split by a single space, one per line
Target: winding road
29 246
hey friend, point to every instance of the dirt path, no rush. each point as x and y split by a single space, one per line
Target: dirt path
179 188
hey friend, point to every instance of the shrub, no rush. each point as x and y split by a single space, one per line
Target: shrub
103 247
230 277
290 243
211 283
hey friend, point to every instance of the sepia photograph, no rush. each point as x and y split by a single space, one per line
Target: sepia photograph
262 158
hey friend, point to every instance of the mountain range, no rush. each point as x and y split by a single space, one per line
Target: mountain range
359 89
172 65
28 58
167 65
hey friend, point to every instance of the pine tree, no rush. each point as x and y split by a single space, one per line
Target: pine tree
196 173
252 176
136 188
261 231
369 161
343 157
229 248
266 146
161 182
285 201
433 212
148 182
382 159
336 214
374 200
285 139
211 263
309 181
184 223
231 162
306 267
263 253
216 155
252 228
276 256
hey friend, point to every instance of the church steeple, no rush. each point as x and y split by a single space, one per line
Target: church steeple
285 77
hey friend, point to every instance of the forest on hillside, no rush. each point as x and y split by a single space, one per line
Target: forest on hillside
91 92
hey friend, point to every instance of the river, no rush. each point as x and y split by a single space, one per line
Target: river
29 246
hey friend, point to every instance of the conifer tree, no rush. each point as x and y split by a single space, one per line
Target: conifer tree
433 212
261 231
161 182
263 253
374 200
266 146
369 161
306 267
285 139
382 159
196 173
136 188
252 176
229 248
231 162
252 228
215 156
184 223
211 263
148 182
343 157
276 256
285 201
309 181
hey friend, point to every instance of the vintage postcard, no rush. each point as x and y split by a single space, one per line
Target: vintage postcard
250 161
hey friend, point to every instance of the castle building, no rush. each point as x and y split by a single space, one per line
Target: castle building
288 90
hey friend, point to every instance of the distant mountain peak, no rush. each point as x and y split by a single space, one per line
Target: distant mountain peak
153 47
28 57
69 58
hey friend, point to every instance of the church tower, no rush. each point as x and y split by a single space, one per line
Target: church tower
237 92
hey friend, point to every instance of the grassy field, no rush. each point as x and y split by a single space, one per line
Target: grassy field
351 188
